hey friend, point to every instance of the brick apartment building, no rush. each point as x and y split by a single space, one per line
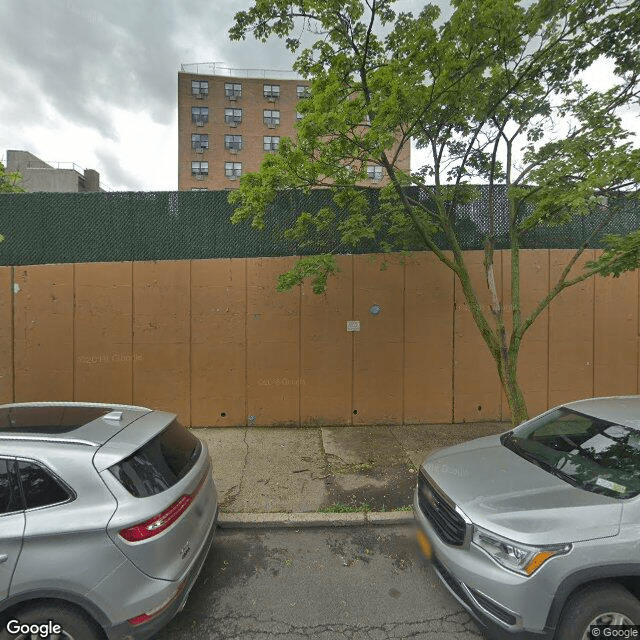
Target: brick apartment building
229 118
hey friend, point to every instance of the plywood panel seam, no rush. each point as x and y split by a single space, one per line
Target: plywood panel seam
453 346
300 385
133 320
404 341
548 311
189 342
353 339
504 313
74 285
245 418
13 333
594 334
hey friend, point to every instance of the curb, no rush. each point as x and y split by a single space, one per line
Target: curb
309 520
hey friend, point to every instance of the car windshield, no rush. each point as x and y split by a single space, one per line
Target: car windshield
593 454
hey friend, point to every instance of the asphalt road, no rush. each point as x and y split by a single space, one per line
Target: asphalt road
360 583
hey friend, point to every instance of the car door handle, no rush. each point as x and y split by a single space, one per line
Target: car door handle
3 557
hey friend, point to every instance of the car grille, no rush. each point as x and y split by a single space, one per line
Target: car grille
446 521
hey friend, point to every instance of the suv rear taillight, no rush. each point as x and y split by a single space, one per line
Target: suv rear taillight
161 521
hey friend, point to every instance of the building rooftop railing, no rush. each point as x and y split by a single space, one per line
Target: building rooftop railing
221 69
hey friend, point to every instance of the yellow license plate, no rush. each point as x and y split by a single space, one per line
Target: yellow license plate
425 545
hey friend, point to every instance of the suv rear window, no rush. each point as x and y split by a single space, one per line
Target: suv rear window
160 463
48 418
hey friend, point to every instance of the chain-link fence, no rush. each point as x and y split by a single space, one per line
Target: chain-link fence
43 228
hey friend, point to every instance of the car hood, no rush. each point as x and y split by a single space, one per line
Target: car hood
502 492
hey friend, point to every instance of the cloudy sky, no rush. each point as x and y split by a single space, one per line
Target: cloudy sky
94 82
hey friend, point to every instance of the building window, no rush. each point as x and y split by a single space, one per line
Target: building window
233 143
374 173
271 143
199 141
199 115
200 88
199 169
271 118
303 91
233 117
232 90
299 116
233 170
271 91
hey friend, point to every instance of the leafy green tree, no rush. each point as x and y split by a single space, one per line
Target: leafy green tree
9 182
493 95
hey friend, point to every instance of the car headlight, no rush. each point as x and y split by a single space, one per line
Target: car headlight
522 558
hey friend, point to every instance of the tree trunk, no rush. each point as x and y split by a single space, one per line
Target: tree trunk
508 370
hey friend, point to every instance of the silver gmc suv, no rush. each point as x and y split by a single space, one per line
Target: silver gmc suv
536 531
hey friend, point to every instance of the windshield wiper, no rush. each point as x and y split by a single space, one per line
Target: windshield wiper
512 443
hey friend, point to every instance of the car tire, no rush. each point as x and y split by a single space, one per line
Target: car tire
75 624
602 604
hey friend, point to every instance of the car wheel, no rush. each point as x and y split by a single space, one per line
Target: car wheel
603 605
32 621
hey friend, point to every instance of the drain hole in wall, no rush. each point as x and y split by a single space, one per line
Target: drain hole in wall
355 412
223 415
479 407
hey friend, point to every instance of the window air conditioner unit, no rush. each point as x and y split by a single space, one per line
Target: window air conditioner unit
234 149
271 125
199 150
232 177
271 98
234 123
232 96
198 95
199 123
199 176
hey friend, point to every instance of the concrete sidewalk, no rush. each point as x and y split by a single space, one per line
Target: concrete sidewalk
314 476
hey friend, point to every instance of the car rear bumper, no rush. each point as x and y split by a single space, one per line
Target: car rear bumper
127 631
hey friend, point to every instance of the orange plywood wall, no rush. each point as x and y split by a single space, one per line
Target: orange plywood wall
477 390
103 355
43 332
428 321
615 331
212 340
534 350
378 364
571 323
6 334
326 350
218 342
161 336
273 345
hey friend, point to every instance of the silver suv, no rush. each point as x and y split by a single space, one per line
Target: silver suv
107 513
537 531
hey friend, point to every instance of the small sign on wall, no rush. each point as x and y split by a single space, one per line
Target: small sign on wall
353 325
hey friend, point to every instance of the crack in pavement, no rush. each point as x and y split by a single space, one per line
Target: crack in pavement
231 495
235 625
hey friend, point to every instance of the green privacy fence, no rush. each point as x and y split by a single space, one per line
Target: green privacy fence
42 228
